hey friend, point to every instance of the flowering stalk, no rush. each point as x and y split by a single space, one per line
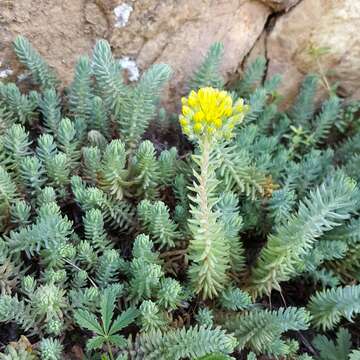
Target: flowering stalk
208 116
208 250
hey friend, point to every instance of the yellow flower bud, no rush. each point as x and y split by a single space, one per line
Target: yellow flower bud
228 112
183 121
218 123
240 107
186 110
223 94
211 112
209 117
198 128
199 116
192 101
228 102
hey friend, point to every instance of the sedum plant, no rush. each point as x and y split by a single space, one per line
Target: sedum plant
208 116
237 238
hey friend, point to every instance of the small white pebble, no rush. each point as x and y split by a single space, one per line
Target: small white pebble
23 76
122 14
131 66
5 73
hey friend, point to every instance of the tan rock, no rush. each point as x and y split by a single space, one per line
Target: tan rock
175 32
58 29
331 24
180 32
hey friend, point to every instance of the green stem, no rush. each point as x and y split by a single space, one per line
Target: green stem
203 190
323 76
109 350
207 276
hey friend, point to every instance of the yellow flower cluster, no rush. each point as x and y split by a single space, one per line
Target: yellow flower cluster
211 113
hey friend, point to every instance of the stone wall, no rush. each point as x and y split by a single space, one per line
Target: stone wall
179 32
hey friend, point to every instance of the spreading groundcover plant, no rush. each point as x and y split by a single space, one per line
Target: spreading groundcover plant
238 238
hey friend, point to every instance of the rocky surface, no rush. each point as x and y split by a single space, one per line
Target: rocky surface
179 33
235 23
330 25
56 28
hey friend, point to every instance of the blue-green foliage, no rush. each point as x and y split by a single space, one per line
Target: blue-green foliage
95 209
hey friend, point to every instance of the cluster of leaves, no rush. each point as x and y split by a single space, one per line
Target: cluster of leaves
100 229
